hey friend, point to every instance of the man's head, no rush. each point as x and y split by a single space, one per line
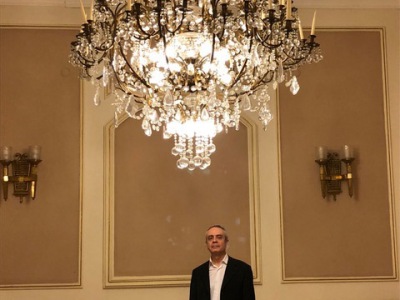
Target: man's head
216 240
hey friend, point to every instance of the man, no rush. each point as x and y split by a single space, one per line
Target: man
222 277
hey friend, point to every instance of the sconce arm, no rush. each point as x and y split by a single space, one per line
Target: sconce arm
32 177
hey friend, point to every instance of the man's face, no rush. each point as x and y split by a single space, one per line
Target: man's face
216 241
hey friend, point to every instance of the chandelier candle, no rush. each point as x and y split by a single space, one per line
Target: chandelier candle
189 68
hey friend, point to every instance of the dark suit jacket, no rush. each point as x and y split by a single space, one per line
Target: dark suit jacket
236 285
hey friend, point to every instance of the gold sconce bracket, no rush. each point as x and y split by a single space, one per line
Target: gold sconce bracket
330 172
24 172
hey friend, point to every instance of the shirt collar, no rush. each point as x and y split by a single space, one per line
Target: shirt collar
224 261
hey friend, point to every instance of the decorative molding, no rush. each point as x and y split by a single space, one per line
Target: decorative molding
391 199
78 283
339 4
111 280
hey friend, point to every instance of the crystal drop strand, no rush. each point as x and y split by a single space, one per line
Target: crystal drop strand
174 150
97 99
281 74
294 86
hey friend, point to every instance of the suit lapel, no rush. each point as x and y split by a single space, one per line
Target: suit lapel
205 276
229 272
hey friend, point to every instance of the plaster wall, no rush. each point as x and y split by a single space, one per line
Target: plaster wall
95 118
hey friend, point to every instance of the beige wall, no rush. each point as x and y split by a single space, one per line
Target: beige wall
272 288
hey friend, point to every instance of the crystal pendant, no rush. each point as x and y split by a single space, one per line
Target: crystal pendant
204 114
294 85
146 127
105 76
166 135
148 131
245 102
96 99
211 148
182 163
191 166
131 109
178 115
154 117
168 99
281 74
197 161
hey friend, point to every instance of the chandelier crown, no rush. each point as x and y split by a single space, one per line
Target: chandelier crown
190 67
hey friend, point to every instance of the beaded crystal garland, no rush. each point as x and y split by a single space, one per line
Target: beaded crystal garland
191 67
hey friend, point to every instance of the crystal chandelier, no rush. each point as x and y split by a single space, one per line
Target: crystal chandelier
190 67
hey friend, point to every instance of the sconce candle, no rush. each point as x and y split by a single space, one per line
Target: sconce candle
347 151
34 152
321 153
6 153
313 23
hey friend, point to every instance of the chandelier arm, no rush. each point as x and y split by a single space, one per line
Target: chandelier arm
119 86
214 14
162 34
180 22
246 13
131 68
245 62
139 26
106 27
87 63
263 41
240 73
224 13
271 21
262 81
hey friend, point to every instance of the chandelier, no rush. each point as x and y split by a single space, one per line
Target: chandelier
189 68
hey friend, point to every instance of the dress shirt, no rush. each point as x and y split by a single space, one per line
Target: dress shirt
216 277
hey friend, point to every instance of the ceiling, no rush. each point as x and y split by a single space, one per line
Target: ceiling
369 4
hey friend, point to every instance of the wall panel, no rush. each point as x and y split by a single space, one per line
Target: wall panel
342 100
40 104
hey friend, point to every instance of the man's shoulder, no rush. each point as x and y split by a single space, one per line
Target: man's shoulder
237 262
202 266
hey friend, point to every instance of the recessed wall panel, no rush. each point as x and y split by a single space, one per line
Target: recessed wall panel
40 104
342 100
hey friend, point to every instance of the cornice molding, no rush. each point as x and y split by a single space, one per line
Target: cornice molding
337 4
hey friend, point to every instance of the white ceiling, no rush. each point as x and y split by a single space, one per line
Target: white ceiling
299 3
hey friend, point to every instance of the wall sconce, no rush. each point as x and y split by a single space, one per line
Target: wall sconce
330 171
24 171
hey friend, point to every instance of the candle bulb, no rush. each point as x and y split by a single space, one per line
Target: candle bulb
313 24
6 153
289 10
83 11
269 4
129 5
321 153
301 31
347 152
91 10
34 152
